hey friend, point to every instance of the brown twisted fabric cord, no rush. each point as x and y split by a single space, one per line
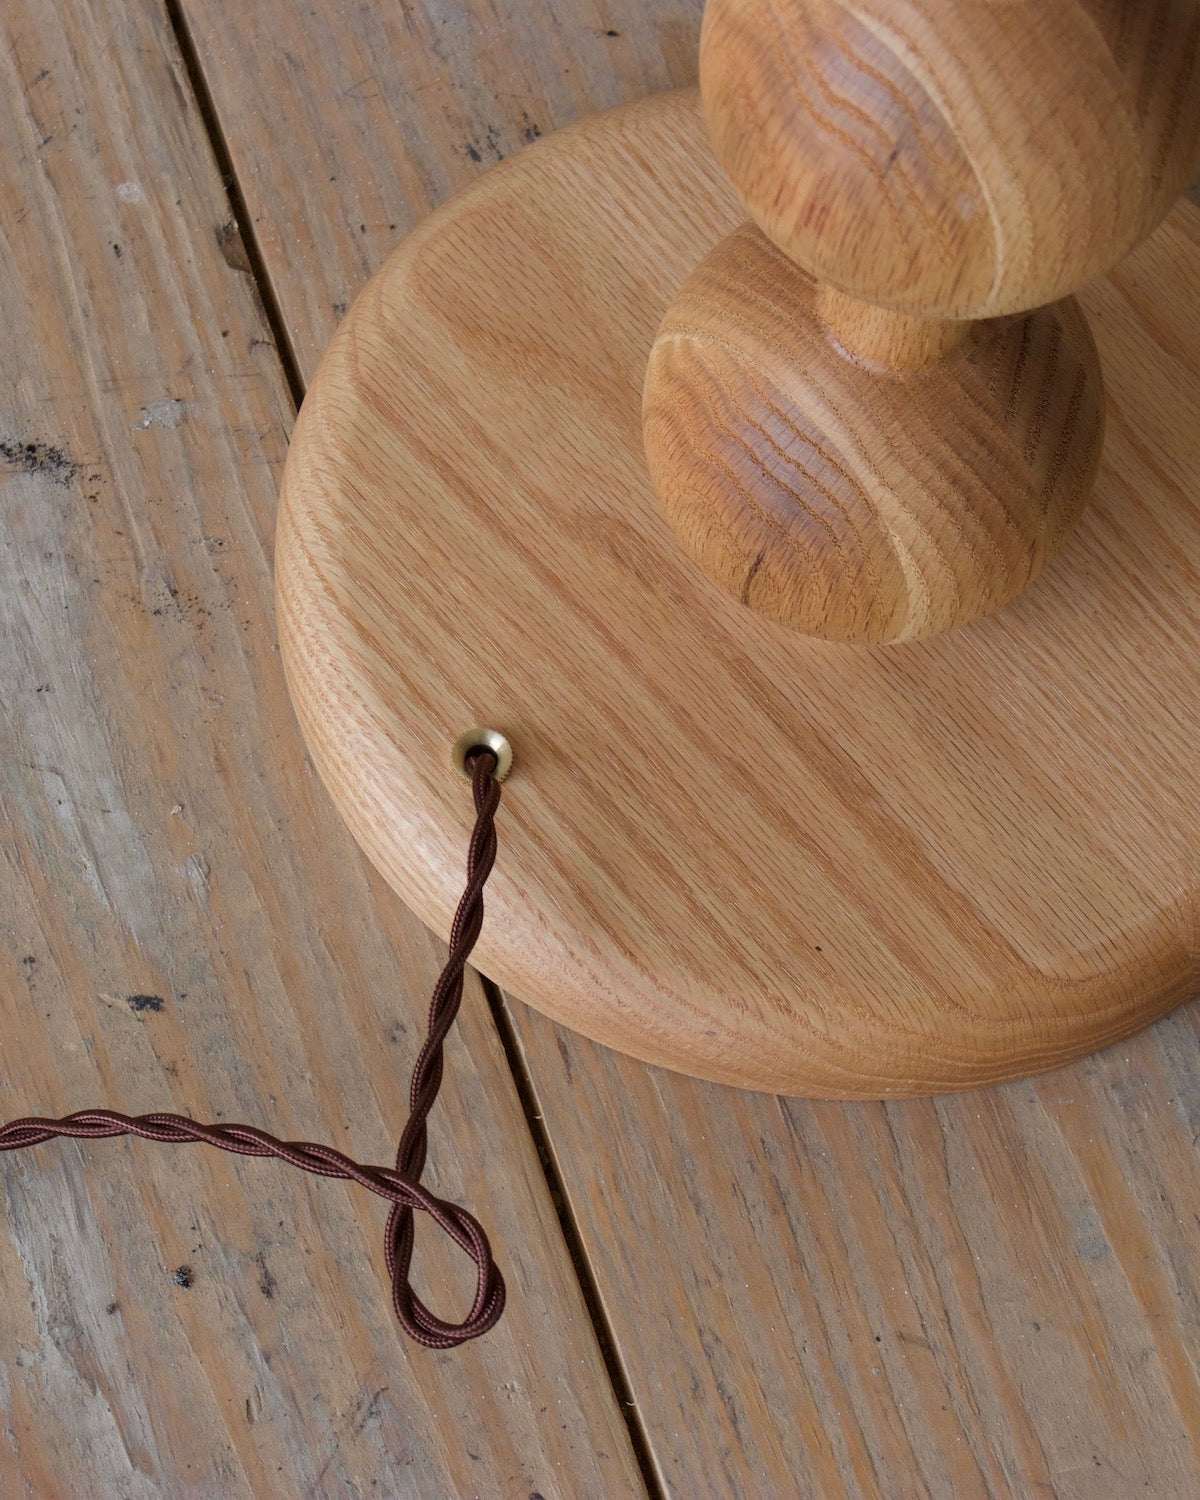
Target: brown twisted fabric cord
402 1185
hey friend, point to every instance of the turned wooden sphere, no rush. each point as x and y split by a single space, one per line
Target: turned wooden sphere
954 158
874 416
852 501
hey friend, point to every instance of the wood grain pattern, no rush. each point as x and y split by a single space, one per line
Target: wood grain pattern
1060 1356
852 500
954 159
379 112
872 476
183 922
985 1297
732 850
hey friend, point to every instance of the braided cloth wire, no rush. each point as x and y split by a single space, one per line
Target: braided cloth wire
401 1184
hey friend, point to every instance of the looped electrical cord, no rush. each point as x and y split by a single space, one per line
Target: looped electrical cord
402 1185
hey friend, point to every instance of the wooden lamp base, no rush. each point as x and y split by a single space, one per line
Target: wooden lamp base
731 849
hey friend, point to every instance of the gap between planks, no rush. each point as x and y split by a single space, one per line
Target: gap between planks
614 1366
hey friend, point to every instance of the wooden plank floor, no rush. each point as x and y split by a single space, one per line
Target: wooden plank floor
164 838
712 1293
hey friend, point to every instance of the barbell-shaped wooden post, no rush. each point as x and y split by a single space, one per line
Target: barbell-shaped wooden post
875 411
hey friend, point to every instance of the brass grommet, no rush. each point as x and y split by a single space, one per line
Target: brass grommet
482 739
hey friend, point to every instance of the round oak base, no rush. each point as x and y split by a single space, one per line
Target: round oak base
725 847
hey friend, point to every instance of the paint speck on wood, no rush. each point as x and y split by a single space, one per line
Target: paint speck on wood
140 1003
44 459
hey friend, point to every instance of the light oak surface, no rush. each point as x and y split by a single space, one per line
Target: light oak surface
954 158
731 849
1025 1257
832 446
165 838
832 489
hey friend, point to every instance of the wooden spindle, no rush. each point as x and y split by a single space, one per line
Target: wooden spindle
875 412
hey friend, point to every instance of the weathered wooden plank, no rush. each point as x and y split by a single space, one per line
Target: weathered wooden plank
994 1294
990 1294
377 113
184 923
